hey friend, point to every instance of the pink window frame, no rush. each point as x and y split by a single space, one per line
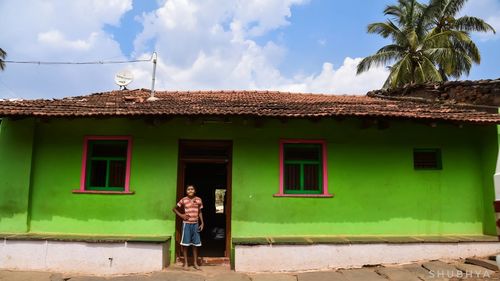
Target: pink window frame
83 176
282 143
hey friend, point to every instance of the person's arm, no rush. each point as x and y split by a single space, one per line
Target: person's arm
181 215
201 220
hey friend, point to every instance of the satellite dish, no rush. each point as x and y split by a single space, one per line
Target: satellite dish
123 78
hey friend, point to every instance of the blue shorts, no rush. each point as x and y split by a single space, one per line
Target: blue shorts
190 235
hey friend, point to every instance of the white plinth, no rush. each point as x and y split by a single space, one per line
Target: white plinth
83 257
272 258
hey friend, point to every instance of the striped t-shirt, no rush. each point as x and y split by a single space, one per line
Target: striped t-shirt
191 208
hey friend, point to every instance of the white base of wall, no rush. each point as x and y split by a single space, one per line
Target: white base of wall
272 258
82 257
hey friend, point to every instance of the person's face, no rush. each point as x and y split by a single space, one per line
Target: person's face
190 191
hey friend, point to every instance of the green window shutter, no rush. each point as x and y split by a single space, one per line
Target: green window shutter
303 168
106 165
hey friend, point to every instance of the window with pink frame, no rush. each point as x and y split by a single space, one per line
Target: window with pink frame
106 164
303 168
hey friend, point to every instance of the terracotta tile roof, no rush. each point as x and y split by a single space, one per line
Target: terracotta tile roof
479 92
243 103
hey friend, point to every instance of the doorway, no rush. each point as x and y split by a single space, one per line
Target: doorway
207 166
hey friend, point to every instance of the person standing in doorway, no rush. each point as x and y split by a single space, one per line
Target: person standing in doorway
192 223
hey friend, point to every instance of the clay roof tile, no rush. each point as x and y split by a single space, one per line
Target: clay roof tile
248 103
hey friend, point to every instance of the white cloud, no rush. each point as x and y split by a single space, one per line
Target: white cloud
180 13
342 80
210 44
260 16
59 31
56 39
488 10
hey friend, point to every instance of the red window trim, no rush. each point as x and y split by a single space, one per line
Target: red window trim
83 177
281 192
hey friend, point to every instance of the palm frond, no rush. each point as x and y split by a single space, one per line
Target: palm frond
400 74
467 23
436 39
391 48
385 29
461 65
396 12
413 39
3 54
451 61
404 73
430 70
380 58
468 47
452 7
425 21
445 38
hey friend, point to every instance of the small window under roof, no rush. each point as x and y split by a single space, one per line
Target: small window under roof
427 159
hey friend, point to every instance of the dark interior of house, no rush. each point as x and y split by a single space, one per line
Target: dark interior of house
210 180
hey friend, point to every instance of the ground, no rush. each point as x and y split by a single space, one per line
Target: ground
431 270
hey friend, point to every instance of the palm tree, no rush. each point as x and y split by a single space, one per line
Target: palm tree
414 50
442 15
421 49
3 54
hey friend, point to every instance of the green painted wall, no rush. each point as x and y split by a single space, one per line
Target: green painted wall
489 160
16 144
377 191
371 173
57 168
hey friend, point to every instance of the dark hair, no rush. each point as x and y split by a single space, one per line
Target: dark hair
192 185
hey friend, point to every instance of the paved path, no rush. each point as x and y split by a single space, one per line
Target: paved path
398 274
434 270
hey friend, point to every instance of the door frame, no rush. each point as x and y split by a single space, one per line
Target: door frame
181 166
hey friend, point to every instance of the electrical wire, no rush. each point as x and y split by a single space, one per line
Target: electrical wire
77 63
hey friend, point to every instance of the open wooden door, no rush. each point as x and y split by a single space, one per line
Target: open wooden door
207 166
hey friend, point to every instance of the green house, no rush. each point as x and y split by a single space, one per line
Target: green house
314 178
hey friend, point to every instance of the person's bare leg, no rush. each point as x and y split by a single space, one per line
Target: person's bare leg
185 253
195 256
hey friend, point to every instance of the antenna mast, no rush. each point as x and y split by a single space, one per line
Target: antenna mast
152 96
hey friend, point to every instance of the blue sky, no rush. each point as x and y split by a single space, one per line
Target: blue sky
130 26
330 31
289 45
